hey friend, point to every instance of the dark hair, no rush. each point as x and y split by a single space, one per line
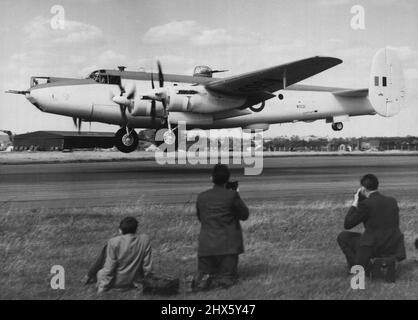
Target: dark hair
370 182
220 174
128 225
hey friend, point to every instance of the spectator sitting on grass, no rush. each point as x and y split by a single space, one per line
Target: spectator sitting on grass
124 261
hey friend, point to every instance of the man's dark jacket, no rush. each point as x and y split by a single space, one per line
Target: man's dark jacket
380 217
219 211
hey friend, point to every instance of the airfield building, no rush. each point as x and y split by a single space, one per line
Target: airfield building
62 140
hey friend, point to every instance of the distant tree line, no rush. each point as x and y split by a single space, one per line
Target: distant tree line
296 143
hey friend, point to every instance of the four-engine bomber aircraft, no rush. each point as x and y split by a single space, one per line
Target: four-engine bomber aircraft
252 100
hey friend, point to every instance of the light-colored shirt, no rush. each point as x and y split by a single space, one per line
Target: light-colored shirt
128 260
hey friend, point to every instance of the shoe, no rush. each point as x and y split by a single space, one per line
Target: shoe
202 283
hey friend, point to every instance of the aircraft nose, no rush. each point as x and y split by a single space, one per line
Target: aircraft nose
31 96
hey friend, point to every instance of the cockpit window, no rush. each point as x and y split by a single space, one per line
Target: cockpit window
104 78
34 81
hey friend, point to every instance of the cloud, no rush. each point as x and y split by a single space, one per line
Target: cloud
171 32
219 37
48 51
110 57
74 33
192 33
335 3
406 54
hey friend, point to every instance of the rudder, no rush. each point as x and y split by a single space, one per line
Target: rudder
387 84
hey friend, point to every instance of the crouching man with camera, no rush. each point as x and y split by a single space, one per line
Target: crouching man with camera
219 211
382 237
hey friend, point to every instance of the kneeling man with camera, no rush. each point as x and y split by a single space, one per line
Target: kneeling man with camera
382 237
219 211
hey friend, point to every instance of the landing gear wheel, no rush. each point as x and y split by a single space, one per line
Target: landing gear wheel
337 126
126 142
170 137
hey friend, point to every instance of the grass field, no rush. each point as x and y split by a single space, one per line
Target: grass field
291 252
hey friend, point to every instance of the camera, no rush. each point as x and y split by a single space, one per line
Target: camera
361 196
232 185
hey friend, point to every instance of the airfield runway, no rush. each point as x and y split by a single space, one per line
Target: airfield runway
285 179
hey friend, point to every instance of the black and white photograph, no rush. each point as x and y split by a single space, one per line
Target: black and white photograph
207 155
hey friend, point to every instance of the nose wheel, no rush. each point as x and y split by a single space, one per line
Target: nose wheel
337 126
126 140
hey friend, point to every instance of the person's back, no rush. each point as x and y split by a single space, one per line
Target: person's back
125 260
130 253
383 212
381 224
219 211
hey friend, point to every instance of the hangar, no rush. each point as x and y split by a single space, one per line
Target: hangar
60 140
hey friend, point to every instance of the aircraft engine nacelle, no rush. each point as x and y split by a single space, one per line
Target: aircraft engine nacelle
387 84
178 102
199 100
144 108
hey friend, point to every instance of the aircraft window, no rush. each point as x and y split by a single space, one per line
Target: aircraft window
280 96
39 80
384 81
103 79
376 81
114 80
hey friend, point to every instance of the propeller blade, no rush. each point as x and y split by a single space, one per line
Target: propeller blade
123 113
122 89
131 94
124 100
77 123
165 108
153 102
160 74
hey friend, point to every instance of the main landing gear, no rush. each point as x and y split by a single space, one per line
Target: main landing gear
126 140
170 137
337 126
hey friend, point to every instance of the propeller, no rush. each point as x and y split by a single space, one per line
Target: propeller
157 94
124 100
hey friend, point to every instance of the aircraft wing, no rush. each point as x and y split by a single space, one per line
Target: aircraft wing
259 85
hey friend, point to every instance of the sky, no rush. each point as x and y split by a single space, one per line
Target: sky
236 35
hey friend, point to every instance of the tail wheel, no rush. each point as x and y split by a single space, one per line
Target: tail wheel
126 140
